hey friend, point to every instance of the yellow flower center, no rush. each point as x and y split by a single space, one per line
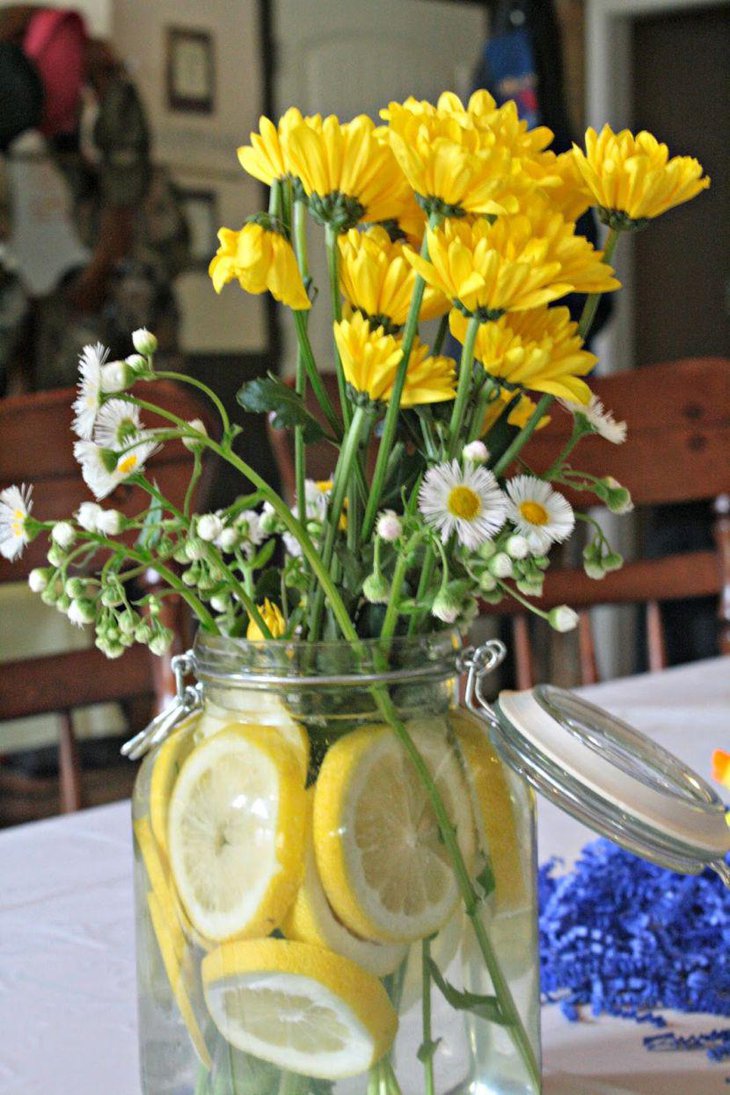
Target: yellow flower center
464 502
534 513
18 522
128 463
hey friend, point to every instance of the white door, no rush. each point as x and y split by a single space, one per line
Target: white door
349 57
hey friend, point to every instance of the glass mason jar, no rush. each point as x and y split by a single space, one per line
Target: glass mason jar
335 881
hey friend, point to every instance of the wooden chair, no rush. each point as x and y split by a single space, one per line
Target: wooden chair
37 448
677 450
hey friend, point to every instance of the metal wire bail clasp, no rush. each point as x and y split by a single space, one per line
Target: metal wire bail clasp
188 698
477 663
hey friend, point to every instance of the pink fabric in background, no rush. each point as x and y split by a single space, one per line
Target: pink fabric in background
56 42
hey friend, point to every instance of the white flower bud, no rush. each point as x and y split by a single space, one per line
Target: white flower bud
194 549
63 534
209 527
517 546
136 362
87 515
389 526
110 522
446 607
38 579
161 642
500 565
476 452
81 612
144 341
563 618
229 539
191 443
116 376
487 582
219 603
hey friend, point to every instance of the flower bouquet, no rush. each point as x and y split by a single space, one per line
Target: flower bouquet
334 867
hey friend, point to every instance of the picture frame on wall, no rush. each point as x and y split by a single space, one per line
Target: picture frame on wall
201 212
190 70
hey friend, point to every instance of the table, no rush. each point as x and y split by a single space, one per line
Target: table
67 978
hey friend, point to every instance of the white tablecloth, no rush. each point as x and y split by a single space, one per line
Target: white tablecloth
67 980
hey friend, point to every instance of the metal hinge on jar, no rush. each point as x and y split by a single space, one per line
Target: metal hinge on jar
188 698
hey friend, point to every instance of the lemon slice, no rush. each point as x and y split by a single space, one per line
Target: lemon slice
495 814
383 864
165 770
302 1008
254 709
311 920
173 961
236 832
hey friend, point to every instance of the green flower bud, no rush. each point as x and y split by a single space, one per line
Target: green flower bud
446 606
376 589
75 587
487 549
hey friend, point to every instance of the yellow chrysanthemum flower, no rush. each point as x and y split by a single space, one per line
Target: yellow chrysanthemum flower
632 178
571 198
261 260
451 166
521 410
581 265
370 360
486 274
266 157
377 280
539 350
348 173
514 264
272 616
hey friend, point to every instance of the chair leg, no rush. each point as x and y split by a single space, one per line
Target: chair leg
525 671
586 649
69 768
655 637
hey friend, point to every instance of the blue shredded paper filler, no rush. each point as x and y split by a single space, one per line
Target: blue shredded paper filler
626 937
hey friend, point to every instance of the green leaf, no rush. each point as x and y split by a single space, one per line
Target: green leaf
262 557
486 1007
485 881
426 1050
151 533
267 395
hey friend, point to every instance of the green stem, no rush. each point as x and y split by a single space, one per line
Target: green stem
427 1045
469 895
391 415
300 249
183 378
348 455
333 262
465 379
320 392
429 562
589 308
440 335
243 596
523 436
563 455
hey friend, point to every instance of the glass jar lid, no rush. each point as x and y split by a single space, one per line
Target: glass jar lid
612 778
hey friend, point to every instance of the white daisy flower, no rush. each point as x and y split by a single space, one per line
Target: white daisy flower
87 402
15 507
316 494
466 501
97 468
600 420
538 512
103 470
117 423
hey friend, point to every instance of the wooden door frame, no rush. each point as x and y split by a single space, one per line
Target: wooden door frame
609 98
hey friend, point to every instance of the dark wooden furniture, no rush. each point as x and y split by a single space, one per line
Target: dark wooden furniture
37 448
677 450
